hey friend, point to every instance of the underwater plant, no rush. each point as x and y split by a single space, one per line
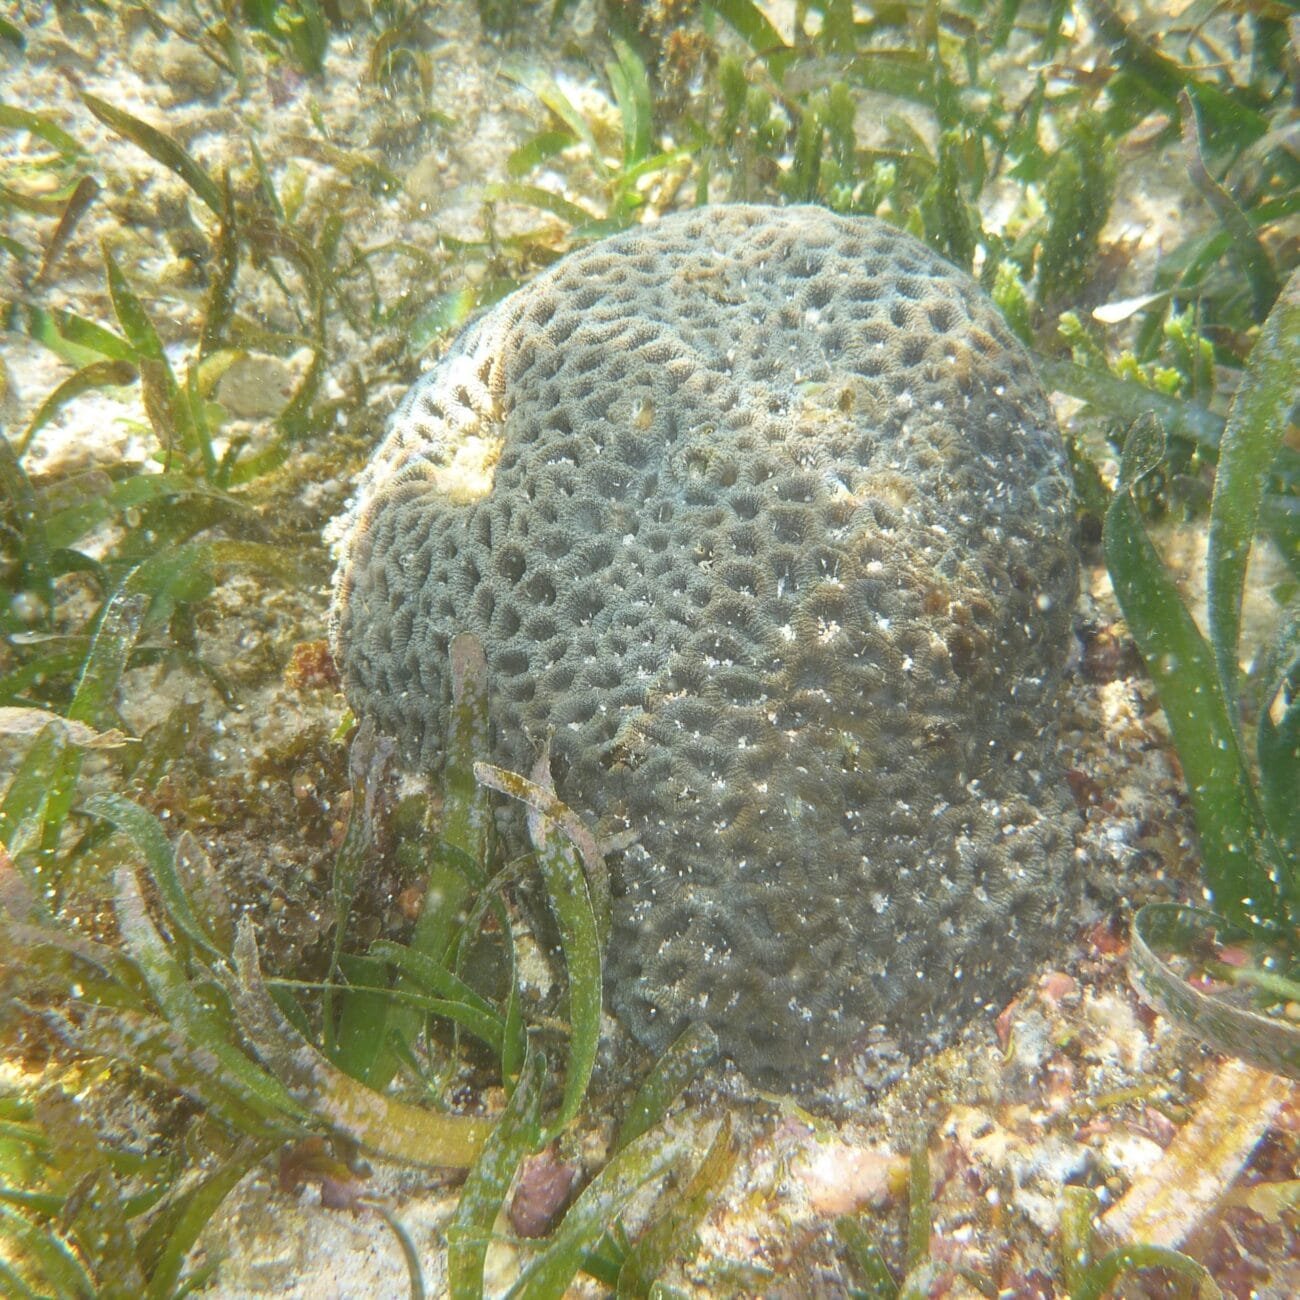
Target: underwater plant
184 1000
901 111
1243 948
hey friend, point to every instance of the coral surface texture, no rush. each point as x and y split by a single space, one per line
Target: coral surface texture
766 527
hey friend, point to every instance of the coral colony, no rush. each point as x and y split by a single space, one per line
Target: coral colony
766 527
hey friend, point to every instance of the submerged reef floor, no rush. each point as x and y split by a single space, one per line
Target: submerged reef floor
1075 1080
